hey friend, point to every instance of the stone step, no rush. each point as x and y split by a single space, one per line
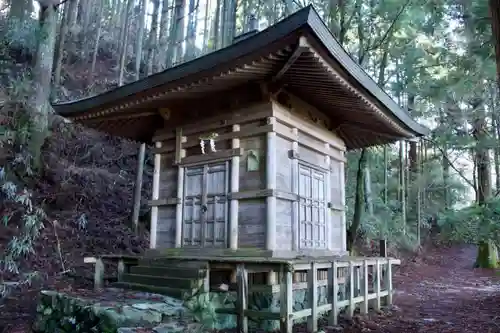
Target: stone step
167 291
195 252
163 281
175 272
173 263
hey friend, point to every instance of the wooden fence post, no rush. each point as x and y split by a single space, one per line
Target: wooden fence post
138 187
335 295
312 285
286 304
242 276
99 274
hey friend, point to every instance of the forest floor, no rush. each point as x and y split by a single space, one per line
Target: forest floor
440 292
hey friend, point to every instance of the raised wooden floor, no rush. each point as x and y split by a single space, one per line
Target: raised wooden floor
332 284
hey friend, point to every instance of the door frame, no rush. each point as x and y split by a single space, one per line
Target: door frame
324 210
205 165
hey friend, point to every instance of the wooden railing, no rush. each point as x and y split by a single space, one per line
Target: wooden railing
124 262
366 283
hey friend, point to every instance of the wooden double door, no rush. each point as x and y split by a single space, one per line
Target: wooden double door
205 205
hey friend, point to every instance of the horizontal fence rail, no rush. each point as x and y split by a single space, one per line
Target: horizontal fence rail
366 284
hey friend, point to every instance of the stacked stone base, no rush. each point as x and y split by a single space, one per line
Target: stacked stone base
110 311
124 311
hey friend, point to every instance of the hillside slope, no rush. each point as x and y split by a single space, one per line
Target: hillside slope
86 191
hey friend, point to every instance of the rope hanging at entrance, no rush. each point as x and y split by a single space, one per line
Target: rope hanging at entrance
211 139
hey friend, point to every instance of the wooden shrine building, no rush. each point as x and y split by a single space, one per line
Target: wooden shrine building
250 140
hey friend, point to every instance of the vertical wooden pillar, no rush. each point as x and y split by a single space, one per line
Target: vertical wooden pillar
364 288
388 281
242 277
378 277
271 185
121 269
342 202
178 207
333 320
99 274
179 155
271 200
383 248
286 301
155 196
328 200
138 187
295 190
312 285
352 306
235 187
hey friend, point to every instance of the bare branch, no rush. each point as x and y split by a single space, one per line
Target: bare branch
390 29
450 163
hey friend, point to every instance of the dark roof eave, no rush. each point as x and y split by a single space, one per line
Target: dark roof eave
207 62
322 32
307 17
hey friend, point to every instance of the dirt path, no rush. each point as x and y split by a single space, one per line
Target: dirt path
442 293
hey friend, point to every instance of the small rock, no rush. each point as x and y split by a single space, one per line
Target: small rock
169 328
334 328
371 325
141 306
429 320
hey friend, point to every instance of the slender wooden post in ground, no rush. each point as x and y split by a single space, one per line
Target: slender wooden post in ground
335 294
352 305
388 281
242 276
286 301
121 269
99 274
364 288
378 277
138 187
155 196
312 285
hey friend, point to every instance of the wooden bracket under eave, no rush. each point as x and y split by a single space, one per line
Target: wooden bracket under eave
165 113
270 90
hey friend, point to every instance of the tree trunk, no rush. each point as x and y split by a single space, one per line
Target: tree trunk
20 10
352 233
206 30
191 30
140 39
96 44
176 37
487 252
116 21
494 7
228 22
58 61
162 45
42 74
487 256
368 188
73 13
87 13
153 37
125 31
216 27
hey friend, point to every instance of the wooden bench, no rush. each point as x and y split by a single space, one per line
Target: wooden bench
124 264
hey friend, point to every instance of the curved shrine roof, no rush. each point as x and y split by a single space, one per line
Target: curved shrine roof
298 52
